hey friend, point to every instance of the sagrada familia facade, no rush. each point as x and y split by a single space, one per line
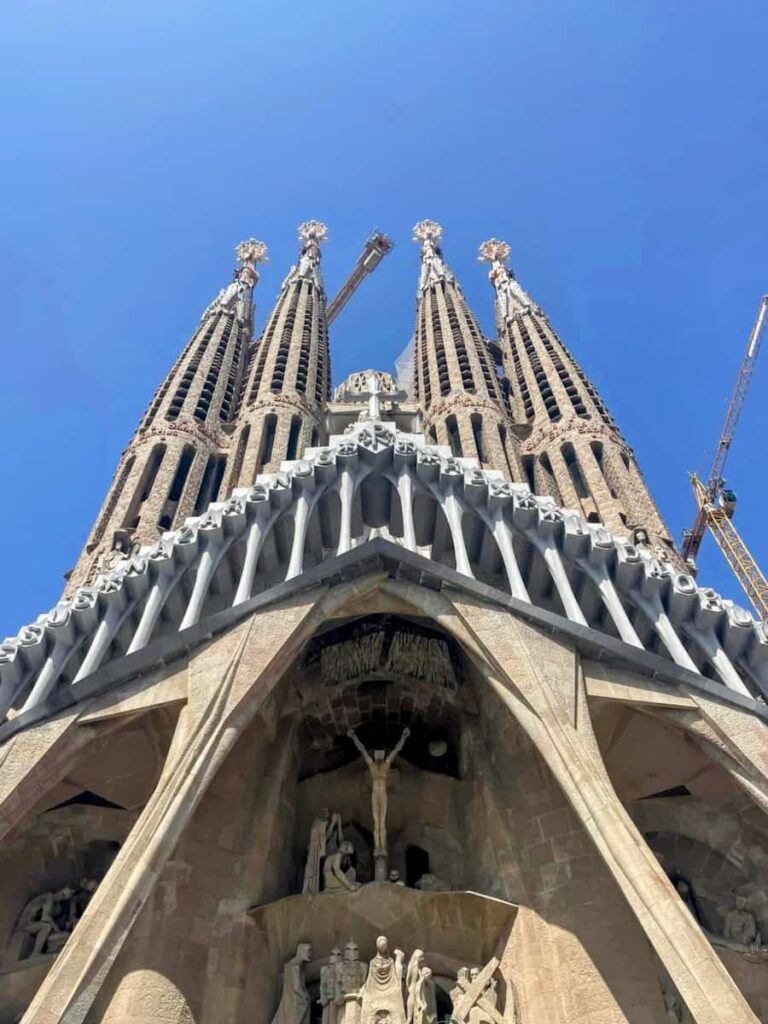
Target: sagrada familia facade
388 705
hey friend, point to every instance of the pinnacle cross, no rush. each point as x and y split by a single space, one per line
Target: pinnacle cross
312 233
433 269
249 253
510 297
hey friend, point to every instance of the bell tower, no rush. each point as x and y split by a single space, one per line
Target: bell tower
283 407
175 463
574 450
456 382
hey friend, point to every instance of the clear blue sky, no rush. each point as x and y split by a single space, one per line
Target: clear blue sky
619 147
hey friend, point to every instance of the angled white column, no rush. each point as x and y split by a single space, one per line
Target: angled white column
609 595
454 514
503 536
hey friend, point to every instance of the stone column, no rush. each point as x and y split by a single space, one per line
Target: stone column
539 680
229 682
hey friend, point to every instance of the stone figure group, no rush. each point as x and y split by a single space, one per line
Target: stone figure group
329 856
386 991
475 996
49 918
739 930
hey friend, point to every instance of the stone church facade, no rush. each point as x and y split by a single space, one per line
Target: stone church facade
391 705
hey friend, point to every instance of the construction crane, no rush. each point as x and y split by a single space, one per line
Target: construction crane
374 251
716 503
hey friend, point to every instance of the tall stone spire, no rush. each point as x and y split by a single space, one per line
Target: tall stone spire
456 381
175 462
288 382
573 450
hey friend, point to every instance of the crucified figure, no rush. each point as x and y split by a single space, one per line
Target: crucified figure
379 766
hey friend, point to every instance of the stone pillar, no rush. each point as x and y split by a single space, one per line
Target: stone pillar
229 682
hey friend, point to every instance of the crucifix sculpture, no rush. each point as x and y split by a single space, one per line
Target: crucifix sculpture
379 766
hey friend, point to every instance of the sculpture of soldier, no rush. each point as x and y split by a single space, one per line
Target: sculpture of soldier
330 987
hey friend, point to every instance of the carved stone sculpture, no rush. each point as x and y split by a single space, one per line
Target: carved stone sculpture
412 976
39 919
326 829
338 873
353 970
379 766
80 900
294 999
475 997
330 987
740 926
382 994
49 918
425 1011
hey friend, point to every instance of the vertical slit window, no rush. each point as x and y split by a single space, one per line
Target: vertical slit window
177 487
453 436
144 488
267 441
293 437
503 440
477 430
528 467
237 462
577 477
211 482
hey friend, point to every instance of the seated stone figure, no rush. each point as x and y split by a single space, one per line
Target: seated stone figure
338 873
740 926
42 918
49 918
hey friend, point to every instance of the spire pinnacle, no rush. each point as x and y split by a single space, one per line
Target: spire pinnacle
510 297
239 293
433 267
312 233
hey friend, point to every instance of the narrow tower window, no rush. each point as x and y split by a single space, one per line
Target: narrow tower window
293 437
237 464
453 436
528 467
503 439
212 477
267 441
177 487
477 429
144 489
572 462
